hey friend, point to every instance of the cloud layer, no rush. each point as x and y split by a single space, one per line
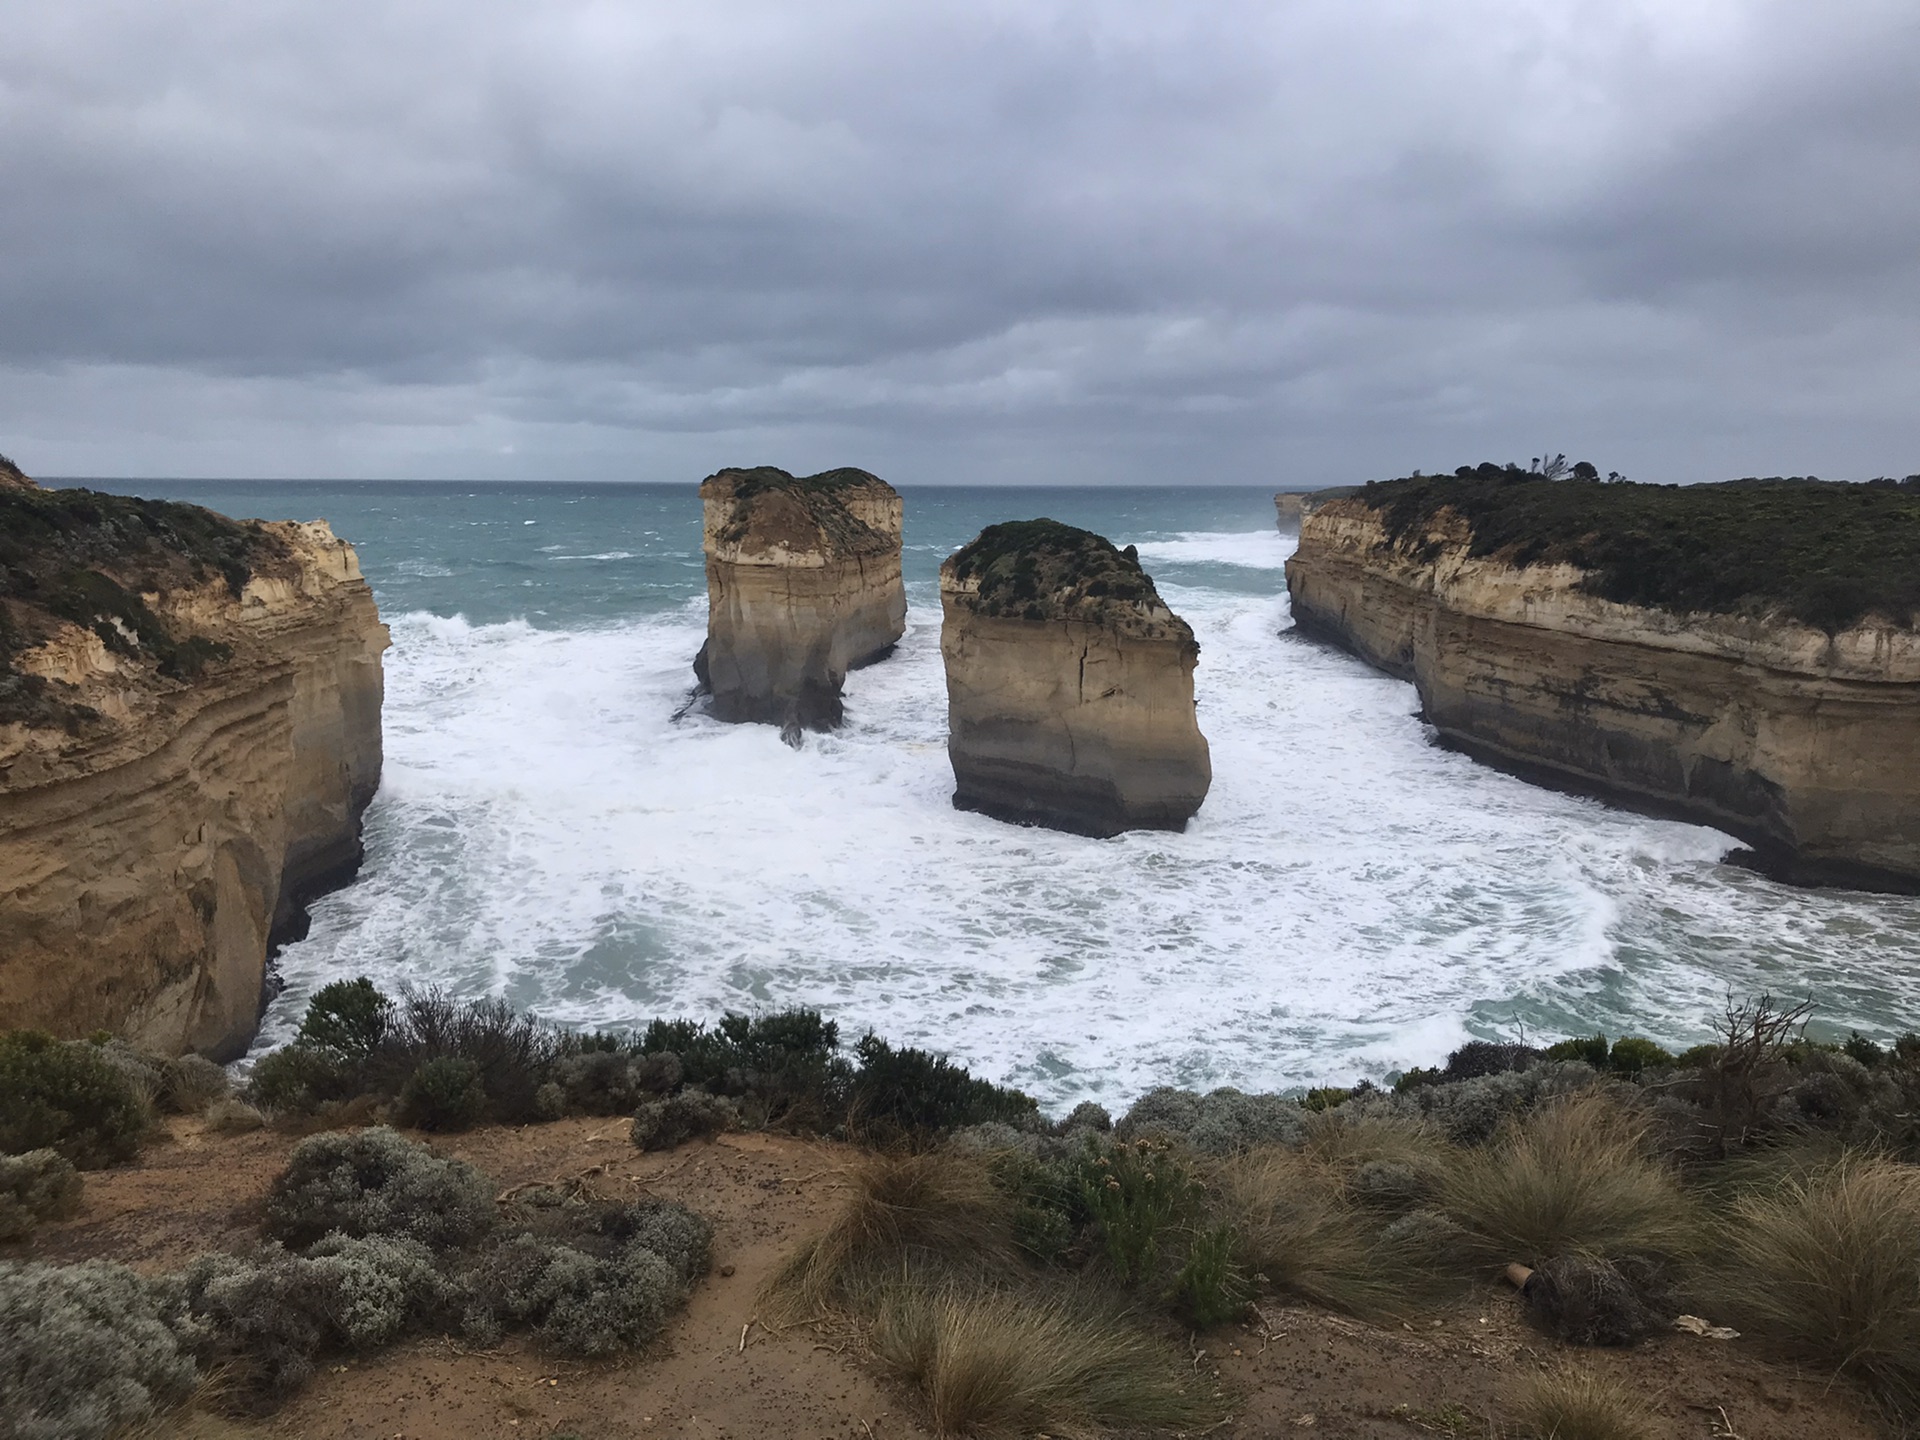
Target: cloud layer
1284 243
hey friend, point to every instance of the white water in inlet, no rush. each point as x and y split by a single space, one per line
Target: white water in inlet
1350 899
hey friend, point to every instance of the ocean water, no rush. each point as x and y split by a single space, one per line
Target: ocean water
1350 900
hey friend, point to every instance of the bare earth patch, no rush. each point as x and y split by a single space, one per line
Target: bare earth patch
1303 1372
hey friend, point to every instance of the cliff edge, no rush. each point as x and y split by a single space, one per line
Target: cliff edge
1740 655
1069 685
189 733
803 585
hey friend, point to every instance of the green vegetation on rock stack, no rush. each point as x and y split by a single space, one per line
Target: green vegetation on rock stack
1823 553
1044 570
823 496
84 557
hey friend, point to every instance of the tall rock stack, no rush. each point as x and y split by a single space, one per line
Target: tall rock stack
1069 685
189 733
803 585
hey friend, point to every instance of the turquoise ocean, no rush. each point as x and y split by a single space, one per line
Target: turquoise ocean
1350 900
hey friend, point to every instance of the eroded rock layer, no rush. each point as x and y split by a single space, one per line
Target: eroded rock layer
1804 742
189 733
1069 685
803 585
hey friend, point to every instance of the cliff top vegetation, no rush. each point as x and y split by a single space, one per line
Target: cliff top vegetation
819 504
84 557
1044 570
1824 553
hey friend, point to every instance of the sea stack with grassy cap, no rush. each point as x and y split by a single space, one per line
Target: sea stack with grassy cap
1069 685
803 585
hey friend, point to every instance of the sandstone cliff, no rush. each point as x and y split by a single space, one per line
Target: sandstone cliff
803 585
1069 685
189 732
1290 506
1804 741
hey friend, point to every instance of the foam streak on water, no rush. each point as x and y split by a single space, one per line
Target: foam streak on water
1350 899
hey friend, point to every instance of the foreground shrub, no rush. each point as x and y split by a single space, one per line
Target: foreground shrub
347 1019
1569 1403
937 1208
913 1092
1827 1264
232 1117
578 1306
67 1097
690 1115
993 1363
190 1083
1573 1177
443 1094
1139 1194
260 1321
374 1182
1219 1123
39 1185
84 1352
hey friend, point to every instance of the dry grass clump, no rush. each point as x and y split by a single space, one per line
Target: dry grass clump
937 1206
232 1117
1293 1223
994 1363
1828 1264
1573 1403
1576 1176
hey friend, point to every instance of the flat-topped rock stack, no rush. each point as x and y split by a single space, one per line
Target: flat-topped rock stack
189 733
1069 685
803 585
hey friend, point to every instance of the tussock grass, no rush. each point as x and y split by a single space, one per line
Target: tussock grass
1574 1177
1827 1263
1293 1224
935 1208
1573 1403
998 1363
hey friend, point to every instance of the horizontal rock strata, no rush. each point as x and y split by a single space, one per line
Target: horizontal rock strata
803 585
1803 743
189 733
1069 685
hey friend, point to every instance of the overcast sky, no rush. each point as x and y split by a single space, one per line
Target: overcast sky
1277 243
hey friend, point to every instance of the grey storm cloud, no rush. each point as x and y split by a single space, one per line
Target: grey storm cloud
1283 242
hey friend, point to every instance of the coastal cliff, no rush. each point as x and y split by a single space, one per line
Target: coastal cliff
1069 685
803 585
1291 506
1746 659
189 734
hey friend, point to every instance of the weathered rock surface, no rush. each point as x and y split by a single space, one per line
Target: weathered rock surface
803 585
189 733
1069 685
1803 743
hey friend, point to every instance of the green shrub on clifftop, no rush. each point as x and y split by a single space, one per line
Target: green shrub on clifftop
67 1097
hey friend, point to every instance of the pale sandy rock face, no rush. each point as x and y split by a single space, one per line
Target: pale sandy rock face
803 585
1804 744
157 829
1069 686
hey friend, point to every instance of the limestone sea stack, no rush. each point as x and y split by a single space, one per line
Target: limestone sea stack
1069 685
803 585
189 733
1742 655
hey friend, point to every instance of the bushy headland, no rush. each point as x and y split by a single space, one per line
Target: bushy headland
1018 1274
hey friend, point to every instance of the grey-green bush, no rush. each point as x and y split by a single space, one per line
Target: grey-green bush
67 1097
663 1124
579 1305
84 1352
39 1185
376 1182
190 1083
444 1093
1222 1122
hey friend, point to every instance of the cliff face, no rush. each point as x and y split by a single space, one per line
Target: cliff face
184 760
1291 506
1803 743
1069 685
803 585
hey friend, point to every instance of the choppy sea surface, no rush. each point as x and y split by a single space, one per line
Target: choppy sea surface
1350 900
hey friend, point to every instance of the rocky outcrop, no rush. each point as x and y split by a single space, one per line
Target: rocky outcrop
803 585
1069 685
1291 506
1804 743
189 733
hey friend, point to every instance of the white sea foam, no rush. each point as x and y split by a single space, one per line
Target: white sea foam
1255 549
1350 898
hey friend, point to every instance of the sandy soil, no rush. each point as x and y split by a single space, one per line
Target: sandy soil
1301 1372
